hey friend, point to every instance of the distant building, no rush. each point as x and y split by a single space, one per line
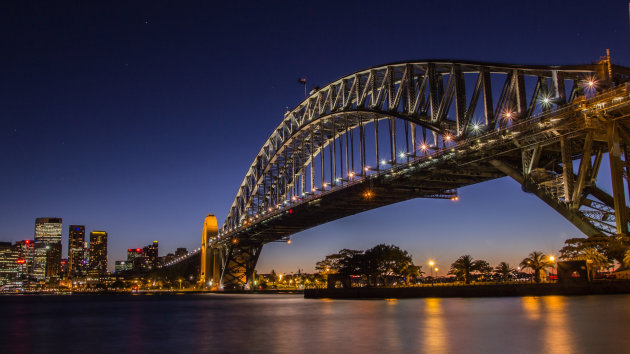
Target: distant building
25 252
151 254
136 259
122 266
76 250
8 265
143 259
167 259
47 258
181 251
98 254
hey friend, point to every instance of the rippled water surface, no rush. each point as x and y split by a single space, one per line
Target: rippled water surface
291 324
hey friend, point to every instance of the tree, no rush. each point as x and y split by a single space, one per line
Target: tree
346 262
593 257
273 276
412 271
464 266
383 261
537 261
504 270
380 261
612 247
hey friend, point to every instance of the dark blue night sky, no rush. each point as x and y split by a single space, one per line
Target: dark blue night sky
140 119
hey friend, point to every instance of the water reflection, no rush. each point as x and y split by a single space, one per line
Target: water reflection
531 306
434 329
290 324
558 338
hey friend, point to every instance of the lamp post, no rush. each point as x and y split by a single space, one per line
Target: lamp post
431 263
553 260
436 271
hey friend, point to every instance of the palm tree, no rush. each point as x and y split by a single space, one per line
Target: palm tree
504 270
537 261
411 270
465 265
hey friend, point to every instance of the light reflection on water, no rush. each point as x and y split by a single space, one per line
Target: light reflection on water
290 324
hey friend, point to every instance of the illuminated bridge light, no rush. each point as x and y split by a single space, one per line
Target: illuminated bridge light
383 162
424 147
475 127
366 168
448 138
401 155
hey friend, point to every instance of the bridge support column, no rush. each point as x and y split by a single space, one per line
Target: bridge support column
208 254
239 266
616 174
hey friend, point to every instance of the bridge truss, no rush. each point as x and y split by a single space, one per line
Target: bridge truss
409 130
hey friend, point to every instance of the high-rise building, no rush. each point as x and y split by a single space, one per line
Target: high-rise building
151 254
47 259
98 253
136 259
8 266
26 252
76 251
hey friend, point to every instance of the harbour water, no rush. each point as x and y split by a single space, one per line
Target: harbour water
290 324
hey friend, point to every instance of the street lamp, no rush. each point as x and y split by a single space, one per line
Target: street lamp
553 260
431 264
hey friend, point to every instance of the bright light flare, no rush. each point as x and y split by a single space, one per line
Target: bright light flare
424 147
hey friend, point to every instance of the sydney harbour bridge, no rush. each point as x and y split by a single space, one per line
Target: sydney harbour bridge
423 129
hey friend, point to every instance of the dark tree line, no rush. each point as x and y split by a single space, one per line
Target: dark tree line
377 265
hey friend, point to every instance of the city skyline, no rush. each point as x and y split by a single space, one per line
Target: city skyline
145 143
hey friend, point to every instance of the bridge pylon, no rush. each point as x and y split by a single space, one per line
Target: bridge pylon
210 277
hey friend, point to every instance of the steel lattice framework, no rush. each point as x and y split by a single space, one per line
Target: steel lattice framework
409 130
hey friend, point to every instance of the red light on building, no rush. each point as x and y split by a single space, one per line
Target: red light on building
20 261
138 250
129 250
290 211
27 241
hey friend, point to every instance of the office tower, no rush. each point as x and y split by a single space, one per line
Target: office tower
25 252
151 254
47 259
76 239
98 253
8 265
136 259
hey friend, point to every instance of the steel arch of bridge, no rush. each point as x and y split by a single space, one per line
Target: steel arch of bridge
421 93
428 100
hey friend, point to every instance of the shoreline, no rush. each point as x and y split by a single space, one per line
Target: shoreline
485 290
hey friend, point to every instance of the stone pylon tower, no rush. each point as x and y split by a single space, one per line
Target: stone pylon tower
210 257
